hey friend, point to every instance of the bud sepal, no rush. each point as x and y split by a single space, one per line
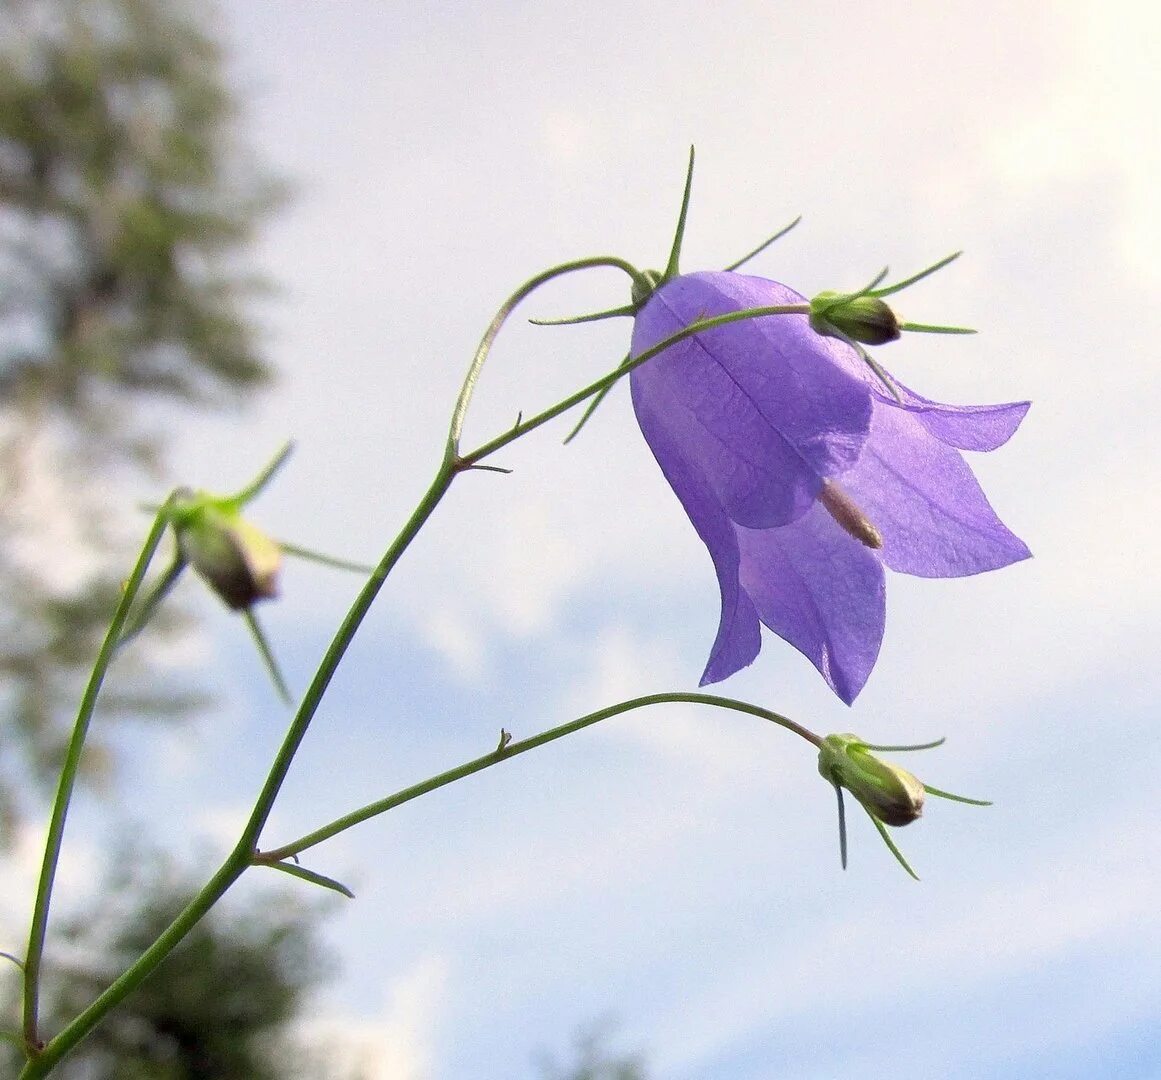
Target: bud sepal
887 792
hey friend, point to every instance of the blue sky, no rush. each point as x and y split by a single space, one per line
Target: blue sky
674 869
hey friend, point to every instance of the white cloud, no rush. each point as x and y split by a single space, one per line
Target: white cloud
457 637
77 868
977 937
399 1043
1095 118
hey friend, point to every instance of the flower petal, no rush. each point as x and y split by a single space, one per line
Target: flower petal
765 407
968 427
739 637
821 591
923 498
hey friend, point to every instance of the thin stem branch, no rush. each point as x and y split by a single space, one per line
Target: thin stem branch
605 381
512 749
43 1060
68 778
459 413
337 649
51 1055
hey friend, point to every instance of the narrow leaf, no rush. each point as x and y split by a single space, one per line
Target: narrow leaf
891 844
312 876
272 668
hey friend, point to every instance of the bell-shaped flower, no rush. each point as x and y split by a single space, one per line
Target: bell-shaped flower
805 474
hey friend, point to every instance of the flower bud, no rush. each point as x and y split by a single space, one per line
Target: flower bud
861 318
645 286
238 561
888 792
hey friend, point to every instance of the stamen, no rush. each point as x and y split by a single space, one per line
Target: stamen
853 521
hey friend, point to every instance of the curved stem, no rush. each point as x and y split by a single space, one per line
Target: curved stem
511 749
68 778
461 407
605 381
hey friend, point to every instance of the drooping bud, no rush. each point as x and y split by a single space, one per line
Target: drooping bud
889 793
237 560
865 318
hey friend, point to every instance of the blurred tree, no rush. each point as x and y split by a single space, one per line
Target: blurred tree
593 1060
222 1005
125 199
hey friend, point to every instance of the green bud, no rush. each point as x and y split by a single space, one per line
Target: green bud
645 286
887 792
865 318
238 561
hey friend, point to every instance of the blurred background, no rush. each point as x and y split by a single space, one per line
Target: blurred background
222 226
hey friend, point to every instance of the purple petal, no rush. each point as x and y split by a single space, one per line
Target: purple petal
765 407
968 427
822 592
739 638
809 582
923 498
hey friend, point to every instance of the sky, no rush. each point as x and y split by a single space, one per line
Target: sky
674 873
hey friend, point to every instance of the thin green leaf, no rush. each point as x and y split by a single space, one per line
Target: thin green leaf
900 285
312 876
877 368
139 618
264 650
764 245
671 268
925 328
265 476
842 814
596 316
955 798
884 749
591 408
324 560
891 844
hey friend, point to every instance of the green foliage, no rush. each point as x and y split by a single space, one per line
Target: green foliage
125 201
124 195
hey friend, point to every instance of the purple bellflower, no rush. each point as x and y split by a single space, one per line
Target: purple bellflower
805 475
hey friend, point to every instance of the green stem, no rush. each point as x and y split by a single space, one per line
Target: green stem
43 1060
68 778
338 647
48 1058
512 749
452 464
152 600
459 413
239 859
525 426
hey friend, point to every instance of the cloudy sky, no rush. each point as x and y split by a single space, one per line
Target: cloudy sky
677 870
